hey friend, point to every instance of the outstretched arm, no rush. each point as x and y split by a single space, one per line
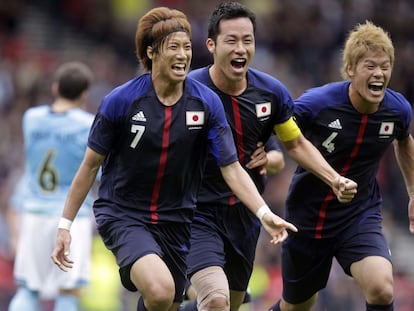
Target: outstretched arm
309 157
82 183
404 153
244 188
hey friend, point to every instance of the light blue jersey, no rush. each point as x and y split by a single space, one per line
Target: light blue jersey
55 144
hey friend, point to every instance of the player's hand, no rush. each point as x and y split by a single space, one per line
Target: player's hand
277 227
60 255
345 189
258 159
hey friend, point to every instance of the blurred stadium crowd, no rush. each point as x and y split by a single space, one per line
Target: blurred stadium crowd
299 42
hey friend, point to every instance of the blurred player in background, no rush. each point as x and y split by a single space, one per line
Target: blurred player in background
55 138
224 233
152 135
352 122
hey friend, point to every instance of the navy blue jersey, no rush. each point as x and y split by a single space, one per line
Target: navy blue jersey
353 143
252 117
155 154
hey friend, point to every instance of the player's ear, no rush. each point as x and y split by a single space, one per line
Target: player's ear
55 89
350 71
150 52
211 45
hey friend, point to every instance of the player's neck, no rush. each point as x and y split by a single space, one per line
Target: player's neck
227 86
360 103
61 105
168 93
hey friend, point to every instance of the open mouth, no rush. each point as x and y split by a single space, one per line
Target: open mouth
178 67
238 63
376 86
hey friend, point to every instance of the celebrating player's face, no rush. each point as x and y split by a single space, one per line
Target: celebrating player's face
234 47
173 61
371 76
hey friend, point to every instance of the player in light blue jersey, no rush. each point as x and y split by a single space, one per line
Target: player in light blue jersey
55 138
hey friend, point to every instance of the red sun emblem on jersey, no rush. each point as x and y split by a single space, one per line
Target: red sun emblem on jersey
387 128
194 118
263 110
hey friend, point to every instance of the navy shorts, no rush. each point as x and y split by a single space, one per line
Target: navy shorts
130 241
224 236
306 262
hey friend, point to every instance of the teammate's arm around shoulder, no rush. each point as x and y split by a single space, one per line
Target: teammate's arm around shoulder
270 162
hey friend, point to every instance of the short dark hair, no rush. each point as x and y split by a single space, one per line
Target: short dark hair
73 78
228 10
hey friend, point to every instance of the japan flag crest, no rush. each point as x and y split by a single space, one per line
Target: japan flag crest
194 118
263 110
387 128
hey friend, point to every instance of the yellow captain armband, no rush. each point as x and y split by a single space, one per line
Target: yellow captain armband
287 130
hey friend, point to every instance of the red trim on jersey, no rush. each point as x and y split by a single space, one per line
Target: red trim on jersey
329 197
239 136
322 214
162 165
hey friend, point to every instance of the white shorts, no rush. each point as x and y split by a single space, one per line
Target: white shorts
33 267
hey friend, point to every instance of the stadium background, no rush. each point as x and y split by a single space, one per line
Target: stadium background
298 41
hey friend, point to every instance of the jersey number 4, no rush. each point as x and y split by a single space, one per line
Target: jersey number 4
329 144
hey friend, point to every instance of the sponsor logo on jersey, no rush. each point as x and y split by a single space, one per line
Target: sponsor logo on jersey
387 128
263 110
335 124
139 116
194 118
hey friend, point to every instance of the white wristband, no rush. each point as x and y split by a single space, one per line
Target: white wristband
262 211
64 223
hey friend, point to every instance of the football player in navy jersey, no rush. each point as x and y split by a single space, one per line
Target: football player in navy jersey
224 232
151 136
352 123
